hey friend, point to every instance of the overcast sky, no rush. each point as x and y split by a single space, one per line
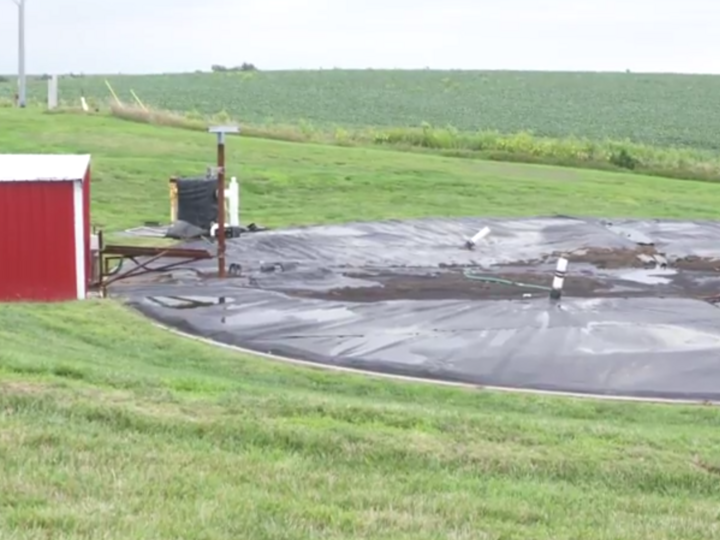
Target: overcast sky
141 36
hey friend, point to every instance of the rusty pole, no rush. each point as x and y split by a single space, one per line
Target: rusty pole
221 206
220 131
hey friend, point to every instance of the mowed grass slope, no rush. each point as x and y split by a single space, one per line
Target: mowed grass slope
600 121
658 109
295 184
110 428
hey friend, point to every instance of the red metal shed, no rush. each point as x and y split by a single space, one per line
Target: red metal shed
44 227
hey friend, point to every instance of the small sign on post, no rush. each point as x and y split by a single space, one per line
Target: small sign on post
221 131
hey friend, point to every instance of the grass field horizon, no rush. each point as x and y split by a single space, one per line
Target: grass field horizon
660 124
111 428
643 108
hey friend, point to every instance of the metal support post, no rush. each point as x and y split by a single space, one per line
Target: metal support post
221 131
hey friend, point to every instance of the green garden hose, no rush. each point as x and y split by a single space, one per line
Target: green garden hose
492 279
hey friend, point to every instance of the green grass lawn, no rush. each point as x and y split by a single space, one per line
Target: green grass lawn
288 183
111 428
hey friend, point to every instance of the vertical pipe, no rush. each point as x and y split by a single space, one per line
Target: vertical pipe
173 200
22 98
234 203
221 204
559 279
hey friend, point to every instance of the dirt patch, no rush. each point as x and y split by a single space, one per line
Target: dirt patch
515 280
23 387
615 259
456 286
612 259
511 281
459 284
633 258
452 285
697 264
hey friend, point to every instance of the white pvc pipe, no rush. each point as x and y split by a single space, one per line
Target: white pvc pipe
559 279
482 233
239 202
232 196
232 207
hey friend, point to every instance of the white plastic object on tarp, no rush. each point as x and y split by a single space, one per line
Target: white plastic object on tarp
559 278
232 198
482 233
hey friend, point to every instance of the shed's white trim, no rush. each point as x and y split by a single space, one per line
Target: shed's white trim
79 222
43 167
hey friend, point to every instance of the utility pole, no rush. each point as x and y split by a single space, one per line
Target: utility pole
22 82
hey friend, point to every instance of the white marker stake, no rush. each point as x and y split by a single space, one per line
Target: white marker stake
482 233
234 201
559 279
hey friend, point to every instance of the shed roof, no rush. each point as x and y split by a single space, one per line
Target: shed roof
43 167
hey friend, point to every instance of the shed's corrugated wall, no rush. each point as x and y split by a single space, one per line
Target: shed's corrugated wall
37 241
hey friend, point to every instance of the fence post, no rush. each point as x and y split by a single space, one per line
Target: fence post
52 98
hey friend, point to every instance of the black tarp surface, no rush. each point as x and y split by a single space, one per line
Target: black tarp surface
335 295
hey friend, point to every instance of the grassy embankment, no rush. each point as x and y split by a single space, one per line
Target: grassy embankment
652 124
110 428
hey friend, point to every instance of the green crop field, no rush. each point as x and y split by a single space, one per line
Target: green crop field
660 110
